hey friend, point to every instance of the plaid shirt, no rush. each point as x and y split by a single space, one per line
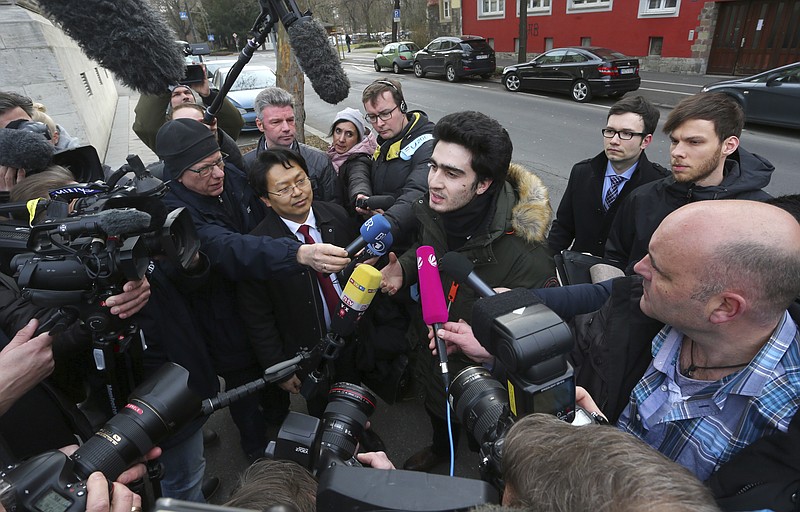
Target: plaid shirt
703 431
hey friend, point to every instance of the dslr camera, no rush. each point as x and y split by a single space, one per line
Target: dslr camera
532 343
55 482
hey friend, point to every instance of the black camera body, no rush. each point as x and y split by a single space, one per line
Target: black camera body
54 482
532 344
46 482
75 261
316 444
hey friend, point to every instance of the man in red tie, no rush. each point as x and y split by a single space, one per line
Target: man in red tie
292 313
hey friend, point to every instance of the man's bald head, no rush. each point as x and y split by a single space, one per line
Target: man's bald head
745 246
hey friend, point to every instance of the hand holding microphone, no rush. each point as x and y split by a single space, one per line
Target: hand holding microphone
355 299
325 258
375 230
458 337
434 309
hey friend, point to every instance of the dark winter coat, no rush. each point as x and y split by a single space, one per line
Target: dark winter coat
400 170
352 175
581 216
644 209
283 315
222 223
511 253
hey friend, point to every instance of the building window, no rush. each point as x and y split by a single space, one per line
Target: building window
446 9
589 5
548 43
537 7
655 46
586 41
659 8
491 8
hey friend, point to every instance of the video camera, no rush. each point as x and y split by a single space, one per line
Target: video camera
72 262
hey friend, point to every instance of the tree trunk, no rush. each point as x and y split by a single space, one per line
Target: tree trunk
292 79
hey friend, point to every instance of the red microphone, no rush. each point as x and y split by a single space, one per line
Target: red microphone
434 309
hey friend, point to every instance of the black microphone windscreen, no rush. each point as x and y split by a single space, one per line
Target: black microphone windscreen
456 265
127 37
22 149
318 60
123 221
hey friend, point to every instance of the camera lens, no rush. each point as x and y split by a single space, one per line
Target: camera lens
345 417
157 408
478 400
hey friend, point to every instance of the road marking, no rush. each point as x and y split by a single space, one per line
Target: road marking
664 90
476 86
671 83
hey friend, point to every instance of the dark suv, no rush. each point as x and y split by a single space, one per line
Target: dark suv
455 57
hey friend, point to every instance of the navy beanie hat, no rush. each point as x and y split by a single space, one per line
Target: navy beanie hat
180 143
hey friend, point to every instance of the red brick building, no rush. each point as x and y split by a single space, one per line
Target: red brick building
725 36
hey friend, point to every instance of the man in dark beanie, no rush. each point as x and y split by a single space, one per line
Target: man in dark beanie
224 208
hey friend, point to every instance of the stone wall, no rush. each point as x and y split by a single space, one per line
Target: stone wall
38 60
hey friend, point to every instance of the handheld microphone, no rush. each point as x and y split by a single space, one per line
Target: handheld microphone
22 149
374 230
459 266
127 37
434 309
356 297
376 202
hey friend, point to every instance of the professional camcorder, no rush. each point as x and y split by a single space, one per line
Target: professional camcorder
72 262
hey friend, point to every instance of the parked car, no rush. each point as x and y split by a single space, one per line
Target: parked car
771 97
455 57
251 81
213 65
581 72
397 56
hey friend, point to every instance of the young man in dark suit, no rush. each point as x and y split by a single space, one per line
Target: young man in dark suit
288 313
598 186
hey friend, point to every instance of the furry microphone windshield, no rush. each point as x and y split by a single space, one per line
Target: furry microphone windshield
22 149
318 60
127 37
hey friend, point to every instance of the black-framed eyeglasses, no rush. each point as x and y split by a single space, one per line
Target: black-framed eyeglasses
383 116
299 184
206 170
623 134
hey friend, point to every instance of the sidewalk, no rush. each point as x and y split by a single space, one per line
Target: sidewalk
122 141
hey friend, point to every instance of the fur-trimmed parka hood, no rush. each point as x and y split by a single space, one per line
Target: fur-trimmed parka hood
532 214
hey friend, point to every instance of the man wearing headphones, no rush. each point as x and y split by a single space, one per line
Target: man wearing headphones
405 144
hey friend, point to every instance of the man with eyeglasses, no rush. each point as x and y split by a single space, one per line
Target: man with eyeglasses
276 121
224 209
597 186
494 212
293 312
707 163
405 144
153 110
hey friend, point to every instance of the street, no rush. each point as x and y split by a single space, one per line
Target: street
550 133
